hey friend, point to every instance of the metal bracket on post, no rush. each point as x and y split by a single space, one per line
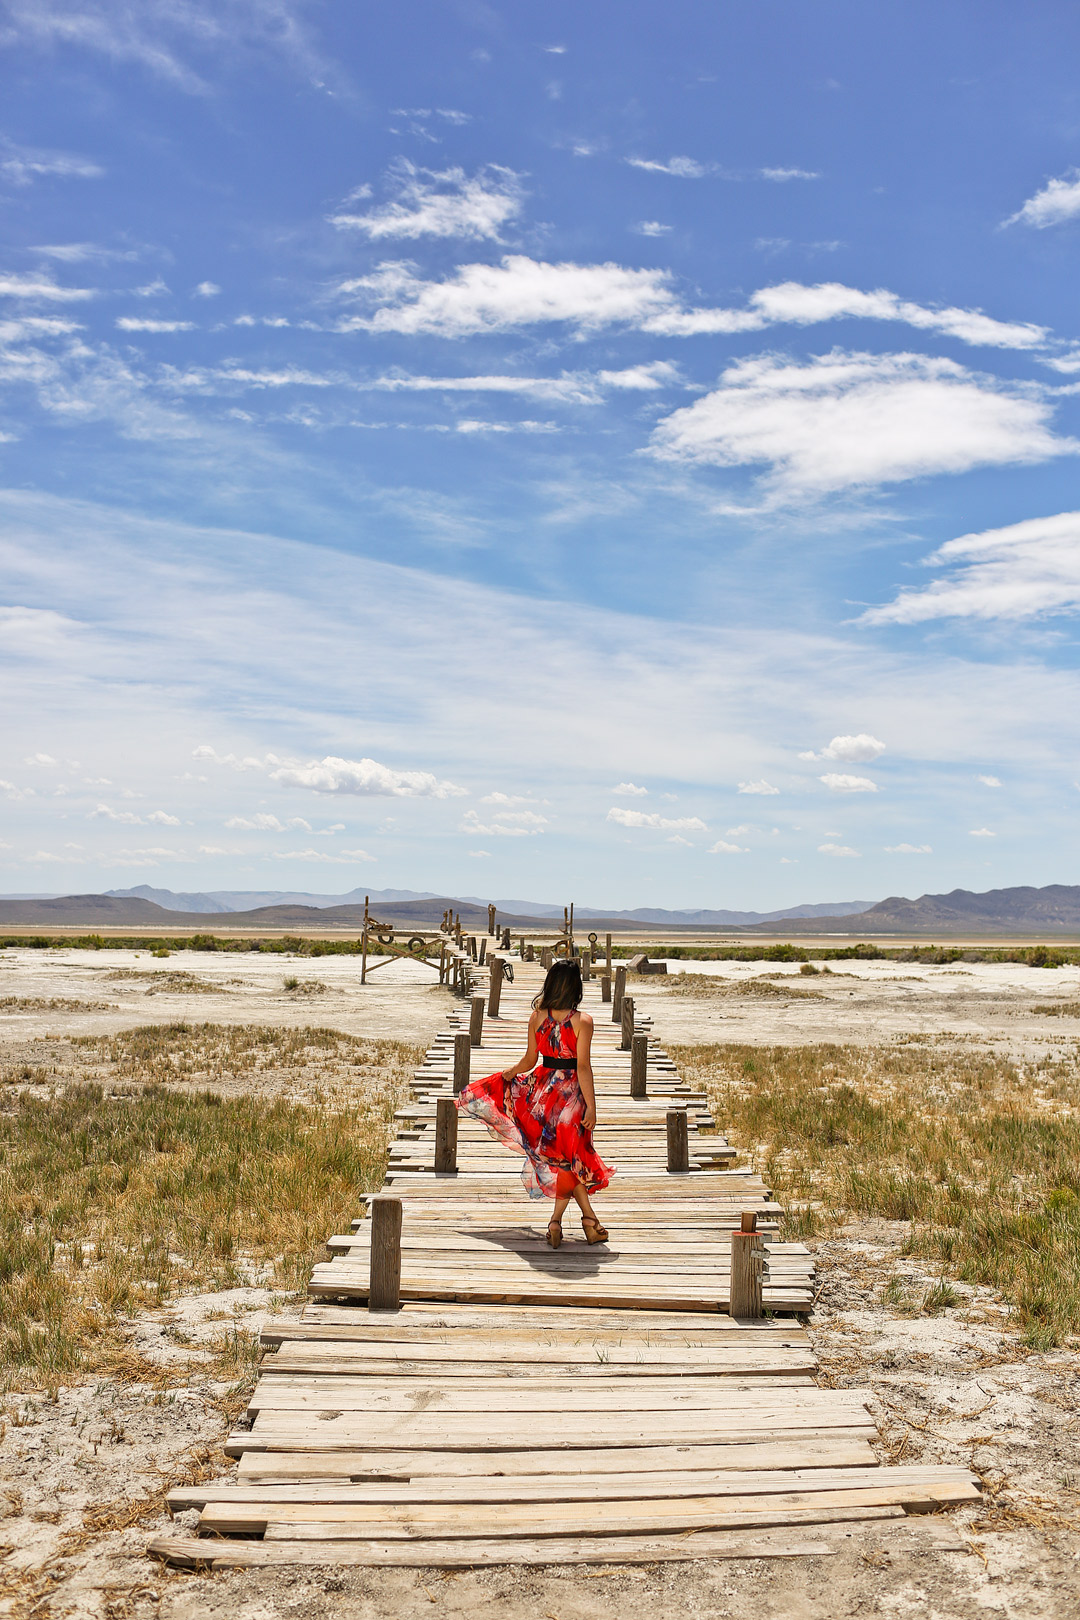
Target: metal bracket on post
384 1278
678 1140
749 1269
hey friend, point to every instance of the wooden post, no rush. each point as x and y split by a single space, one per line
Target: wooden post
620 992
495 987
442 963
462 1060
472 947
363 948
586 961
545 958
747 1267
506 939
639 1065
491 920
678 1140
476 1021
530 952
446 1137
605 987
607 951
482 958
627 1022
384 1281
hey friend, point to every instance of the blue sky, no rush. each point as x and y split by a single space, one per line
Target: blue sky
624 451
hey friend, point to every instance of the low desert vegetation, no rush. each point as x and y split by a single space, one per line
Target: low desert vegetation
711 985
980 1154
116 1196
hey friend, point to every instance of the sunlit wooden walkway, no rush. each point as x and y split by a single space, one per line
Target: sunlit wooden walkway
526 1405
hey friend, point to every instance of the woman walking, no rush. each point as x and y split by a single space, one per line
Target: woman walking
547 1112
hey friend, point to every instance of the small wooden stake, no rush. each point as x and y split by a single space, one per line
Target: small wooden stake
747 1268
530 952
482 958
639 1065
472 946
586 964
627 1023
476 1021
495 988
605 987
620 991
462 1059
446 1118
506 939
384 1284
491 920
607 952
678 1140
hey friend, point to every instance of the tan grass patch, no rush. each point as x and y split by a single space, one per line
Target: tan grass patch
13 1004
709 985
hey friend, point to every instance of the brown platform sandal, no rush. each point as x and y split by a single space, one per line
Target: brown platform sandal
554 1234
599 1233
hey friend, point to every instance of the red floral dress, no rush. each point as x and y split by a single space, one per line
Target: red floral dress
539 1115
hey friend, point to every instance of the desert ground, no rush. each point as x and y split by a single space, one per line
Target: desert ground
85 1456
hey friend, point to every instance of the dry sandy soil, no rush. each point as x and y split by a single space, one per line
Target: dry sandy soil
82 1468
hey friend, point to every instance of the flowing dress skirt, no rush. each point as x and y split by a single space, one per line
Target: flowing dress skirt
539 1115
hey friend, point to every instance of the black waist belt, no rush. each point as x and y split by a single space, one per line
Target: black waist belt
558 1063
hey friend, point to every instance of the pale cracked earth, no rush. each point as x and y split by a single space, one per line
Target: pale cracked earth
82 1468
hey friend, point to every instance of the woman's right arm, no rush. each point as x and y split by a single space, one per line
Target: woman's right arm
529 1060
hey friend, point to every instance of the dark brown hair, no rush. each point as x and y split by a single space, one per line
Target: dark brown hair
562 988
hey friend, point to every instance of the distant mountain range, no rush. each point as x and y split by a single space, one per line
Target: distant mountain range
1054 909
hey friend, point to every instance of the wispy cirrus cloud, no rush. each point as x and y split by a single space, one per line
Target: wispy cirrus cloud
850 421
1024 571
40 289
441 202
843 782
139 323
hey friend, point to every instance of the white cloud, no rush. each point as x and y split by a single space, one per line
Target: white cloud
653 227
206 289
22 165
347 857
506 798
1057 202
45 760
859 749
849 421
135 323
677 838
444 202
263 822
1026 570
839 850
11 791
480 854
683 168
508 824
106 813
981 832
212 849
908 849
365 777
722 848
789 174
792 302
630 790
656 374
162 818
989 781
641 818
764 788
36 286
744 828
840 782
518 291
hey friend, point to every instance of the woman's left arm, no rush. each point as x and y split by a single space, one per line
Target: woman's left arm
584 1069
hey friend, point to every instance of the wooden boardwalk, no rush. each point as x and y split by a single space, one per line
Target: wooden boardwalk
536 1406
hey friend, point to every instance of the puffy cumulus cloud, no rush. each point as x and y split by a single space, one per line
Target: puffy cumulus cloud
641 818
989 781
859 749
162 818
346 857
630 790
506 798
652 227
765 789
127 818
507 824
908 849
44 760
206 289
981 832
263 822
793 302
444 202
480 854
849 421
721 847
366 778
841 851
840 782
518 291
1055 204
1027 570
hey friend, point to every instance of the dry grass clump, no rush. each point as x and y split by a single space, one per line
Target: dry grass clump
981 1154
109 1203
707 984
173 982
1059 1009
304 987
13 1004
212 1053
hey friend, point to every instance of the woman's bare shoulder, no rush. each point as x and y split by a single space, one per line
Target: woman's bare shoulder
586 1019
